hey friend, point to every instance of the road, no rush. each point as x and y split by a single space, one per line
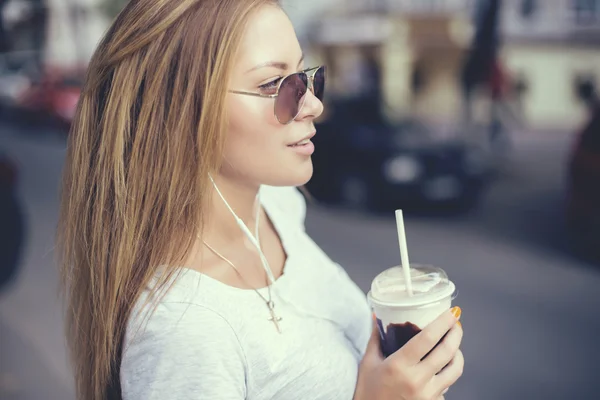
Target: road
530 310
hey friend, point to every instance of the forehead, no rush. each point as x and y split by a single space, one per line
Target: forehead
269 36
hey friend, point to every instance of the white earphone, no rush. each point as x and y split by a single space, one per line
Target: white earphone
254 240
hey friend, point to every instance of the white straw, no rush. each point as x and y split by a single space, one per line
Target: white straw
404 251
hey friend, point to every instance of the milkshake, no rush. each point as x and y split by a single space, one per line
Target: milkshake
400 315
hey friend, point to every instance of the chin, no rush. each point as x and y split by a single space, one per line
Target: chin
297 176
304 174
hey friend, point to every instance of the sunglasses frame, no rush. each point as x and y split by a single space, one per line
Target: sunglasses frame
310 74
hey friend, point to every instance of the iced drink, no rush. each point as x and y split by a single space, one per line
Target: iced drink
401 316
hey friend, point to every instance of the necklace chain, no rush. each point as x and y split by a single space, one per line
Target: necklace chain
269 302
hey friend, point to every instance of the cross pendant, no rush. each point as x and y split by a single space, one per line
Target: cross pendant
274 318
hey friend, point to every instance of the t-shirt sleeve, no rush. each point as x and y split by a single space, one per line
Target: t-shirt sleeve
183 351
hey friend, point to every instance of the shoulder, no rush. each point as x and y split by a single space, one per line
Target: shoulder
163 338
287 199
177 310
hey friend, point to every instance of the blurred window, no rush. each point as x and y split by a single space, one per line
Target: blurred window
586 11
529 8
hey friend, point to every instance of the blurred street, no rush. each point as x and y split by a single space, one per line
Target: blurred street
529 308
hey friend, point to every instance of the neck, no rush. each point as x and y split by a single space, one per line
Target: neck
242 198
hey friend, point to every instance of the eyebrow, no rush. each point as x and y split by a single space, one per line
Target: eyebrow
275 64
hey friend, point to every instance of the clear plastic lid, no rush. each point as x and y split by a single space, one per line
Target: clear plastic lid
430 284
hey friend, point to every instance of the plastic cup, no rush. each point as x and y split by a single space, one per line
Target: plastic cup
401 316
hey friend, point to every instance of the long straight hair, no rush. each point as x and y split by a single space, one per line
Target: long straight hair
148 129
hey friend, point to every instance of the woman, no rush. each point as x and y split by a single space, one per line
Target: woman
187 268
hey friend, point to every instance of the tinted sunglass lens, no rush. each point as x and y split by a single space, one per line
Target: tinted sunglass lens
289 101
319 83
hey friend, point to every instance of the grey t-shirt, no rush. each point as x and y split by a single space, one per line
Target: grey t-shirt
207 340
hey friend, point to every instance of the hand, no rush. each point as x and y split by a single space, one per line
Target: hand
406 374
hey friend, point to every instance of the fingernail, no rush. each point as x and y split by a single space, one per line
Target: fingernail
456 311
374 317
459 324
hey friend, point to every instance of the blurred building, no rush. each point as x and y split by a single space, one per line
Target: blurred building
552 45
61 34
74 30
419 48
407 54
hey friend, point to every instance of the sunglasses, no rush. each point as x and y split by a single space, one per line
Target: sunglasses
291 92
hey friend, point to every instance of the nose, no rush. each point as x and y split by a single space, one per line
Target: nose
312 107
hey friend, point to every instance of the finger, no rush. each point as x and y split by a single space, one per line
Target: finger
451 373
442 395
373 351
443 353
422 343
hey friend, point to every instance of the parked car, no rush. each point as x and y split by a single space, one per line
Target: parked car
13 83
49 99
378 165
54 95
583 189
15 78
12 223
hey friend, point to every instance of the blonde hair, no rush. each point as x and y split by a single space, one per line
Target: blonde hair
148 130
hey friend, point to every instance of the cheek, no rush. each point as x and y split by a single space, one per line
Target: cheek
245 111
255 146
254 134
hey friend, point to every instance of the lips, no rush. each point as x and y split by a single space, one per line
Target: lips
304 141
301 143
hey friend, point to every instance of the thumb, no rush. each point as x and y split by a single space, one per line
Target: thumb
373 351
371 359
